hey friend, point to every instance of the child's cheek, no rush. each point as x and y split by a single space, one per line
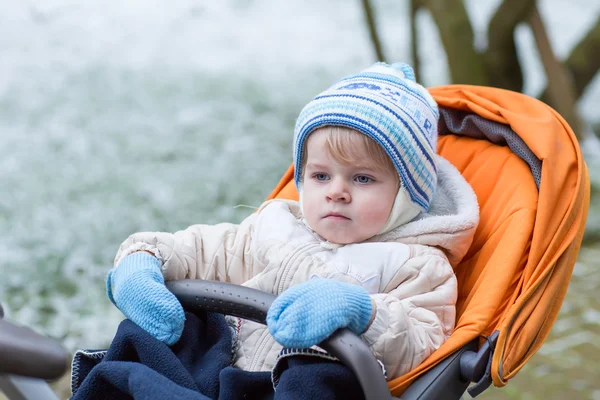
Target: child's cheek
375 213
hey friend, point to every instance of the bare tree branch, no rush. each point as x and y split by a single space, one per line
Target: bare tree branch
370 19
583 63
560 90
466 65
501 57
584 60
414 40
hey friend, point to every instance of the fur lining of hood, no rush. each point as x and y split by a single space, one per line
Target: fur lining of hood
451 221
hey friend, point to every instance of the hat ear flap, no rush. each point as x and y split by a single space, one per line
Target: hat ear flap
406 69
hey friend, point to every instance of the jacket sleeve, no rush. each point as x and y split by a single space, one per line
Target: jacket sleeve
214 252
416 314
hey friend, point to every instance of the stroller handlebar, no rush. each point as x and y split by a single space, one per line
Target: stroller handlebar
27 353
252 304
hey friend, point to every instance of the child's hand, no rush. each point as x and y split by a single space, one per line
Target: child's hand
136 286
308 313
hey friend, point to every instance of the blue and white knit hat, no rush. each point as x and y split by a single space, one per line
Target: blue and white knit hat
385 103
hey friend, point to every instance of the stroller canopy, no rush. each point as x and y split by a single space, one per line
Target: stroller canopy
525 165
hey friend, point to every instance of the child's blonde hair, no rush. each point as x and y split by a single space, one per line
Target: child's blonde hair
345 146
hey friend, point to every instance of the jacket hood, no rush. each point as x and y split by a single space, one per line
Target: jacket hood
451 221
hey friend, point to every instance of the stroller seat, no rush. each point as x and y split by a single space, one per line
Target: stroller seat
526 168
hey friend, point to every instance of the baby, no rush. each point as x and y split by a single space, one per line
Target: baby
370 246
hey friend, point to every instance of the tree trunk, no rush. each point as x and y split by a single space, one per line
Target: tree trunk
465 63
499 66
370 18
501 57
560 90
584 60
414 40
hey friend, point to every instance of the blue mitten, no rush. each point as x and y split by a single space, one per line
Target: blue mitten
136 286
308 313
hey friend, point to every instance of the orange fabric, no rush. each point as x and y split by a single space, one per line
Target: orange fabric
559 221
285 189
515 275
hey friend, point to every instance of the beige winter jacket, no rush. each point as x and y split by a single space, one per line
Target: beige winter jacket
408 271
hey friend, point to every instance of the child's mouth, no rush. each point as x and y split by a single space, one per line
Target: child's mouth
336 217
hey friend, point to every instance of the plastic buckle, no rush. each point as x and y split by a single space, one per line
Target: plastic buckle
477 367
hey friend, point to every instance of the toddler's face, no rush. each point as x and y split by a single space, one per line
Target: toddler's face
345 203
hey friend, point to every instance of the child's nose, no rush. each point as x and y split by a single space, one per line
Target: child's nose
338 191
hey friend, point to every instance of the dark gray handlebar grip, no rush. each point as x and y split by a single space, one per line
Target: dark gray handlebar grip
27 353
252 304
223 298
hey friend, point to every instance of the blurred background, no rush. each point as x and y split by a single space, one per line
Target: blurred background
141 115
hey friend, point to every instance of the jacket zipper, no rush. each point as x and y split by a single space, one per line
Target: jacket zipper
287 263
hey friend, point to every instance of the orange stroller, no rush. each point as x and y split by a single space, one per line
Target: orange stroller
526 167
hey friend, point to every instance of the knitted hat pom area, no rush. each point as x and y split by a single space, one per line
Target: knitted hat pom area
385 103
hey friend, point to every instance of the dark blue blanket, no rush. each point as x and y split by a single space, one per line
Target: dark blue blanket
198 367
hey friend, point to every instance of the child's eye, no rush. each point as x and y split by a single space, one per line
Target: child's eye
321 177
363 179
